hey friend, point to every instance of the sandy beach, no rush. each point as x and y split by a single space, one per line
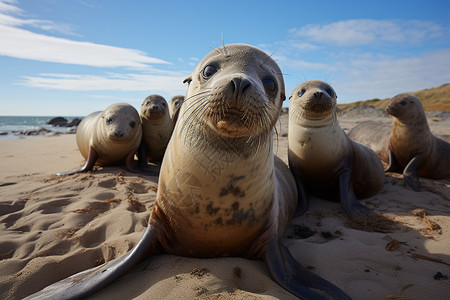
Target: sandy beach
52 227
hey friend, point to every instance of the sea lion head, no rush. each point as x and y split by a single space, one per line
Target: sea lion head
176 102
313 99
406 107
154 107
236 91
120 123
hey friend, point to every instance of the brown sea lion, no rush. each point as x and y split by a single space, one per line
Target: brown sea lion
221 191
110 137
157 128
323 158
413 149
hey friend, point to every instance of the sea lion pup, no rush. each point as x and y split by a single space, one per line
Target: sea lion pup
323 158
174 105
221 191
375 135
109 138
413 149
157 128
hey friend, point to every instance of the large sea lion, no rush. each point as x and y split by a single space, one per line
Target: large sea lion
110 137
175 104
412 149
221 191
157 128
323 158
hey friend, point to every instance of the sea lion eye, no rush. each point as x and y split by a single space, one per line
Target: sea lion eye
132 124
208 71
109 120
301 92
270 85
403 103
330 92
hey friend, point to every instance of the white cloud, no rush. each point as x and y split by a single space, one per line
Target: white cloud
9 6
363 32
25 44
111 82
382 78
285 61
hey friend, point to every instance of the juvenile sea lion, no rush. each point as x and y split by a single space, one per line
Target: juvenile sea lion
157 128
174 105
413 149
323 158
109 138
221 191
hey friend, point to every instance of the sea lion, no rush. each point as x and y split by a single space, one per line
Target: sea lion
413 149
323 158
221 191
375 135
157 128
110 137
174 105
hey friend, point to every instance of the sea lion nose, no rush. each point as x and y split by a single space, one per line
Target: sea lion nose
318 94
118 134
239 85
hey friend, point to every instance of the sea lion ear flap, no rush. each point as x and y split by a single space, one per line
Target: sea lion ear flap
188 79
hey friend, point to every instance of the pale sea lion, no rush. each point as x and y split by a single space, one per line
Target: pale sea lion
157 128
174 105
375 135
323 158
221 191
110 137
413 149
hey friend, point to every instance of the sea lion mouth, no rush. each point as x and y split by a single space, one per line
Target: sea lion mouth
317 110
231 122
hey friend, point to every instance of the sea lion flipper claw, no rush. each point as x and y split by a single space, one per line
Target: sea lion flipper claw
410 172
349 201
289 274
90 162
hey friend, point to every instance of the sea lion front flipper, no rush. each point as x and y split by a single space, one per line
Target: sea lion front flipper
88 282
393 164
349 201
410 172
302 203
90 162
142 162
298 280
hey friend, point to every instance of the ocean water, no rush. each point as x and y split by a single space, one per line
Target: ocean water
10 124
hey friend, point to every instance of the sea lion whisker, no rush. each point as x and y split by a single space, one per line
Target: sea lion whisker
192 104
193 115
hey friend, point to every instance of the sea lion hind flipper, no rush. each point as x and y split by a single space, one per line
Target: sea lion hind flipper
89 281
349 201
90 162
298 280
410 172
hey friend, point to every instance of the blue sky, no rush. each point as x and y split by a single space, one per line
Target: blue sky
73 57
